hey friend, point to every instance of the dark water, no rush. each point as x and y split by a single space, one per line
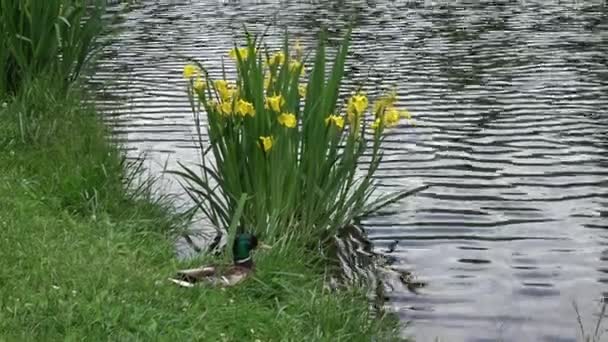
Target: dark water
511 109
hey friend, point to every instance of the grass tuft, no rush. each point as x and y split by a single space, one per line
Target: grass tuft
62 152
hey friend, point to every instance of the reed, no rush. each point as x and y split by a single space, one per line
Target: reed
50 37
292 147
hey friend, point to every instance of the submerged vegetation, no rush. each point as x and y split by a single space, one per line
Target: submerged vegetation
87 248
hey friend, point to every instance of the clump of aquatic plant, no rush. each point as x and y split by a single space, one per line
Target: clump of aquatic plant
51 37
292 147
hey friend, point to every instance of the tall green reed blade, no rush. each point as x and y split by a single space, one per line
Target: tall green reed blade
235 226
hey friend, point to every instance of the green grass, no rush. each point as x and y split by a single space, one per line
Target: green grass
83 258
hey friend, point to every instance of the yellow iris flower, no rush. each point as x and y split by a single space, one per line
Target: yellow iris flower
354 118
266 143
350 108
302 90
243 52
356 106
276 59
199 85
276 102
224 89
391 117
225 108
336 120
288 120
190 70
360 102
385 101
245 108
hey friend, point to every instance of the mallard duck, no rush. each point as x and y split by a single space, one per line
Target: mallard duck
244 244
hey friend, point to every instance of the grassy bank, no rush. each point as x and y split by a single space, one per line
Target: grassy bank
83 258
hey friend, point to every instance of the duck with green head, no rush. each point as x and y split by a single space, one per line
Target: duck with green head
244 245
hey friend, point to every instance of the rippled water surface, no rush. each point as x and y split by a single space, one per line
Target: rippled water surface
511 133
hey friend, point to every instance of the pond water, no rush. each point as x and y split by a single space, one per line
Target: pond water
510 100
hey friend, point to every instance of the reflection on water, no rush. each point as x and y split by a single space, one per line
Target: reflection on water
511 107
